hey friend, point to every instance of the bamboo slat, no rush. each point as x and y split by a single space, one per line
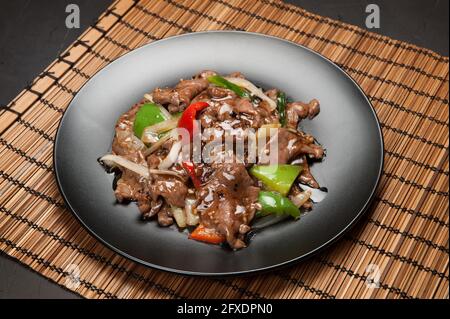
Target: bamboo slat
405 233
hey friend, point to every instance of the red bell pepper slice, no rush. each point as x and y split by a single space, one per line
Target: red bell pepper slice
188 117
207 235
190 169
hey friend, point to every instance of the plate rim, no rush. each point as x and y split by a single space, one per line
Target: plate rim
260 270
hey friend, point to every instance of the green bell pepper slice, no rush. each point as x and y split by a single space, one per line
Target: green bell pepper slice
277 177
149 114
224 83
274 203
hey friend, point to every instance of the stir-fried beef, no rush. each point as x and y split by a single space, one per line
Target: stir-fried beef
220 93
225 195
150 208
128 186
165 217
178 98
273 93
227 201
305 176
127 145
292 144
170 188
298 110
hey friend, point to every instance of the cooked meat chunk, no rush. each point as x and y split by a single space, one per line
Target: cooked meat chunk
150 208
205 74
243 106
217 194
165 217
220 93
305 176
127 145
179 98
172 189
203 96
273 93
298 110
247 113
128 186
219 111
267 114
290 146
227 202
153 160
237 75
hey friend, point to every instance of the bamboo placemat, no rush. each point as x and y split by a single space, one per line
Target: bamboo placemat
405 233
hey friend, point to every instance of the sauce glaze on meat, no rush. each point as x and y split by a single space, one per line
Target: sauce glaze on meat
227 199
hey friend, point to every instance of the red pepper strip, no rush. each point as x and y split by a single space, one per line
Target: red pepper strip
190 169
206 235
188 117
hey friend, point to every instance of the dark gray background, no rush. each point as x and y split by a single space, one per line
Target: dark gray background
33 33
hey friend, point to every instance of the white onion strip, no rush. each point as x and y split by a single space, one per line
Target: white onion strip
148 97
317 195
179 216
160 127
160 142
253 89
165 172
172 157
114 160
149 137
192 217
300 198
164 112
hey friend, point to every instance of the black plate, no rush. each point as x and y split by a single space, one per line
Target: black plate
347 126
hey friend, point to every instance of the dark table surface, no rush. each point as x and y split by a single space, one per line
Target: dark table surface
33 33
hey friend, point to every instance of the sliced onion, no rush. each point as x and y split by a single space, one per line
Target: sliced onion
137 143
300 199
114 160
161 126
165 172
317 195
164 112
149 137
148 97
179 216
192 217
226 108
160 142
253 89
172 157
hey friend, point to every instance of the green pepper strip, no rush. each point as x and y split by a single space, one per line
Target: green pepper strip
274 203
149 114
281 107
224 83
277 178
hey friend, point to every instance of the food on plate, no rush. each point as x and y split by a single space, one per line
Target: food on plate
213 154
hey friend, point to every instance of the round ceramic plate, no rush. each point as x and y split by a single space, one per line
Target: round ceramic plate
347 127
